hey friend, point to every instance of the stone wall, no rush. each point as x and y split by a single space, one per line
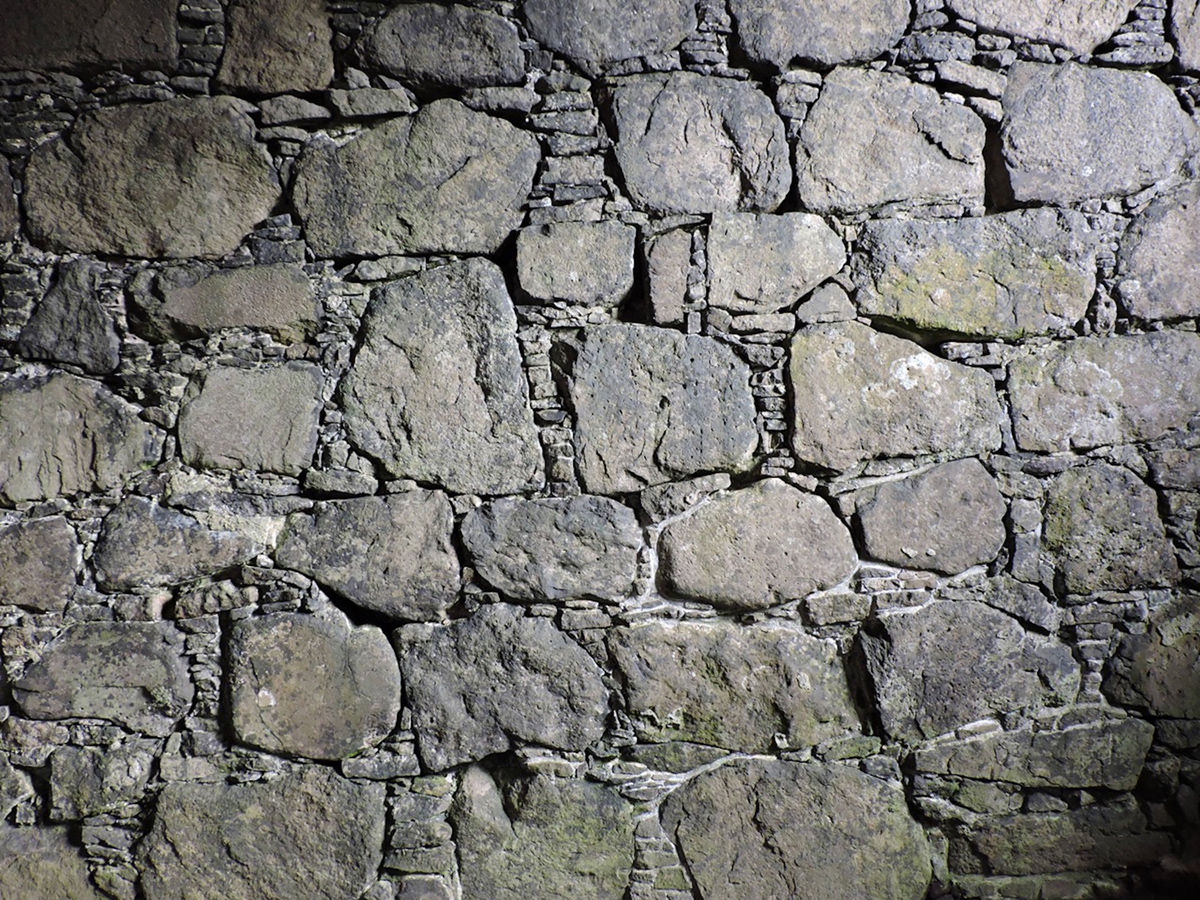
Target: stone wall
643 449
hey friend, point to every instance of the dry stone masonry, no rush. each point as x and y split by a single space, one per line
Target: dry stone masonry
608 449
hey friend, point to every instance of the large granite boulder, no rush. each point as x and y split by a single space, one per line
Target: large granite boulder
65 34
589 263
1078 25
781 32
37 863
1158 277
39 559
1157 671
70 325
277 47
596 33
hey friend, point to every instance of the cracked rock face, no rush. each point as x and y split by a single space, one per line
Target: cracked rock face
825 32
39 559
1078 25
282 46
616 29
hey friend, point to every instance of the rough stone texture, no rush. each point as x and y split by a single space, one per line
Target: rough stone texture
65 34
447 180
113 182
654 405
1157 670
1156 259
577 262
667 263
691 143
1010 275
1071 132
552 549
779 32
62 435
1078 25
310 686
89 781
536 837
874 138
389 555
436 391
144 544
861 394
1110 390
39 559
541 686
10 220
131 673
36 863
1185 28
973 662
277 47
768 828
286 849
70 325
762 263
946 519
756 547
616 29
748 689
429 44
263 419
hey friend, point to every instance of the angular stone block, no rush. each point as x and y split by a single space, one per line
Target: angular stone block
577 262
1158 277
1078 25
70 325
596 33
779 32
1157 670
89 781
277 47
39 559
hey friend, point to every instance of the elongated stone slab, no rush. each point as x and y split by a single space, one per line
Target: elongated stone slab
615 29
826 32
1078 25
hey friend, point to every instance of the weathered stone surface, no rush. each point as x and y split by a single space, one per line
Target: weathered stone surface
16 788
1185 27
36 863
143 544
667 500
89 781
861 394
70 325
615 29
430 44
436 391
779 32
1031 271
1159 278
943 665
131 673
761 263
262 419
310 686
1110 390
1071 132
1078 25
756 547
668 262
10 219
749 689
447 180
554 549
689 143
946 519
65 34
64 435
285 846
277 47
113 184
1157 670
39 559
542 687
768 828
874 138
531 837
390 555
654 405
579 262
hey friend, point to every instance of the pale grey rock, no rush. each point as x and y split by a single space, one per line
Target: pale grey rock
1157 671
861 394
653 405
368 102
877 138
756 547
554 549
70 325
689 143
262 419
1104 390
1073 132
286 847
1025 601
277 47
589 263
39 559
535 837
1175 469
1157 258
65 34
64 435
89 781
37 863
596 33
762 263
131 673
114 182
946 664
10 219
446 180
1078 25
751 689
823 831
389 555
1031 271
781 32
308 686
1184 24
666 500
828 303
436 391
668 263
452 45
542 687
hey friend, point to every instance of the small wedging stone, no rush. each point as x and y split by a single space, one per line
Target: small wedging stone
42 862
114 182
934 147
594 34
756 547
689 143
825 32
277 47
10 218
39 559
1078 25
822 831
576 262
66 34
1158 278
1157 671
89 781
70 325
1073 132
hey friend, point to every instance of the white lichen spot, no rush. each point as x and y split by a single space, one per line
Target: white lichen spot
919 371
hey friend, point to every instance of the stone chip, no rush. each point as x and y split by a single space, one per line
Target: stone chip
576 262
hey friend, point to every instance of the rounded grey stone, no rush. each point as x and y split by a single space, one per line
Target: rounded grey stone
825 32
1157 671
70 325
36 863
10 219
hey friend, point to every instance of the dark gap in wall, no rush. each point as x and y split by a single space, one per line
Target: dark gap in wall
998 192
